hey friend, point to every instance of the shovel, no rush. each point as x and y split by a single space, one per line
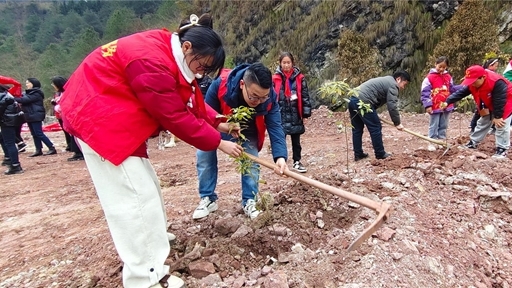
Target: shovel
383 209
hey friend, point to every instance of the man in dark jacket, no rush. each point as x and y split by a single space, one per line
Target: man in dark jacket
376 92
248 86
10 117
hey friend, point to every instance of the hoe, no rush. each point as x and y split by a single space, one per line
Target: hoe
442 143
383 209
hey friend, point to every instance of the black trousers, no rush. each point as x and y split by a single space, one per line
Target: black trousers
296 148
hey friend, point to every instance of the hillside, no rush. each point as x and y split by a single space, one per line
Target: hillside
44 39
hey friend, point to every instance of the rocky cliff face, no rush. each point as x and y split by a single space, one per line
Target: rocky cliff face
404 32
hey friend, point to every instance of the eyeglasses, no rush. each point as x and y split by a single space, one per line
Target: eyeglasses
255 98
206 69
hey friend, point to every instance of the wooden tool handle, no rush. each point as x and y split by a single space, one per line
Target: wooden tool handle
439 142
344 194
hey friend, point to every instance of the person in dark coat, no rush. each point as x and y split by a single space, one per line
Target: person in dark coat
10 117
293 97
33 107
58 83
376 92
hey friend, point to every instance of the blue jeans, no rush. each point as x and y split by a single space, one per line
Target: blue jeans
8 142
207 172
36 129
438 125
372 122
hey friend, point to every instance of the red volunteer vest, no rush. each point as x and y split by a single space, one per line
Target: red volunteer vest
483 94
277 79
441 84
101 108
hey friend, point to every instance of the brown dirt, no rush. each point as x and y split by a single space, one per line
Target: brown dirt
443 231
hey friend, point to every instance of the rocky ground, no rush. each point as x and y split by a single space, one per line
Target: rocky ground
450 225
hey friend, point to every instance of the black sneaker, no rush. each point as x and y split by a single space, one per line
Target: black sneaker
14 170
471 145
22 147
386 155
297 166
500 153
51 151
6 162
361 157
76 157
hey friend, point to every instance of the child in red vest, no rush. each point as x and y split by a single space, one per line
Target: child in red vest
293 98
436 87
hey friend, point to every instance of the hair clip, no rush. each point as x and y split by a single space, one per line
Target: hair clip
194 21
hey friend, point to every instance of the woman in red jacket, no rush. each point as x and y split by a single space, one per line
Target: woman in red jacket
125 92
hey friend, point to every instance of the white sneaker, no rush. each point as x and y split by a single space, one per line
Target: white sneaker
250 209
205 207
171 237
172 282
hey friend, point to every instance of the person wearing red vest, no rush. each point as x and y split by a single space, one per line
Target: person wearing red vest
248 86
125 92
495 92
293 98
436 87
491 65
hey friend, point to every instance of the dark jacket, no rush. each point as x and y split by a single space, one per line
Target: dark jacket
291 116
9 111
32 104
234 99
379 91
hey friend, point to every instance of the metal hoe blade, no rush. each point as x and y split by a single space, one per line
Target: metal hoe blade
384 209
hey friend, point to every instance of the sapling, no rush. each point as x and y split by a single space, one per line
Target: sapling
339 93
240 116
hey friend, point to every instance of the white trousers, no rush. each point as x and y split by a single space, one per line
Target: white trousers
132 201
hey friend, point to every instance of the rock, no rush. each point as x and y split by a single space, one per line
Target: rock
388 185
489 232
211 280
239 282
298 248
410 246
353 205
320 223
385 233
277 279
208 252
225 226
266 270
200 269
279 230
461 188
480 155
448 181
457 163
319 215
397 255
284 257
434 266
242 231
